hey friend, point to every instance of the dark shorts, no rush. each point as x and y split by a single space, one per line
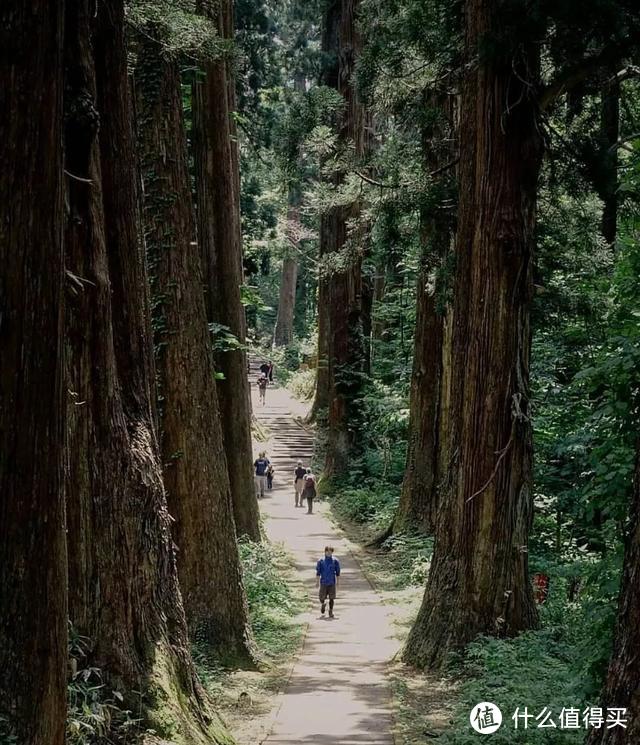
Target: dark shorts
327 591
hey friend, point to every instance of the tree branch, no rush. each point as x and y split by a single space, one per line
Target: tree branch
570 77
502 452
78 178
630 71
406 184
445 167
621 143
373 182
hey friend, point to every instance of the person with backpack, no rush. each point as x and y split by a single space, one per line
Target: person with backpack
298 482
309 491
267 369
263 381
261 465
327 578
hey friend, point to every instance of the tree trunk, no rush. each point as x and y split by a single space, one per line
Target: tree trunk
124 593
622 686
346 363
220 243
418 505
33 598
367 302
286 303
344 338
479 580
330 77
386 279
194 461
379 291
321 398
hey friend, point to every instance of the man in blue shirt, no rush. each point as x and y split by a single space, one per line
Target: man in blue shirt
261 465
327 574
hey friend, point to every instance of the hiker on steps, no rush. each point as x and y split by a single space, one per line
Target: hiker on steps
267 369
263 381
327 578
298 482
261 466
309 491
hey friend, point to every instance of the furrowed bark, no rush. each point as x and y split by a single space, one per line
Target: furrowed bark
124 593
286 304
194 461
479 579
284 330
33 599
418 505
283 334
217 187
329 77
343 296
321 397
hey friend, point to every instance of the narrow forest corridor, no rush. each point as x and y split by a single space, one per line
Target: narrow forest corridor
424 216
337 691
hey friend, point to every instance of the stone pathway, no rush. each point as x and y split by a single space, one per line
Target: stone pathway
337 693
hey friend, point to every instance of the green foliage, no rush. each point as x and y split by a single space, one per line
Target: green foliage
585 351
549 667
7 736
291 357
250 298
97 714
385 436
224 340
303 384
586 362
364 505
182 32
410 556
274 601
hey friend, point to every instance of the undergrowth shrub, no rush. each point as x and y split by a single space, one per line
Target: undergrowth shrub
274 604
591 582
96 713
410 556
539 668
302 384
274 601
373 506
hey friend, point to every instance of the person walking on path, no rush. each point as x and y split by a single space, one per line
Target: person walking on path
309 491
270 471
267 369
298 482
327 578
261 465
262 388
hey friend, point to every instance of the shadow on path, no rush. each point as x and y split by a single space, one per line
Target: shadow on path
337 693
